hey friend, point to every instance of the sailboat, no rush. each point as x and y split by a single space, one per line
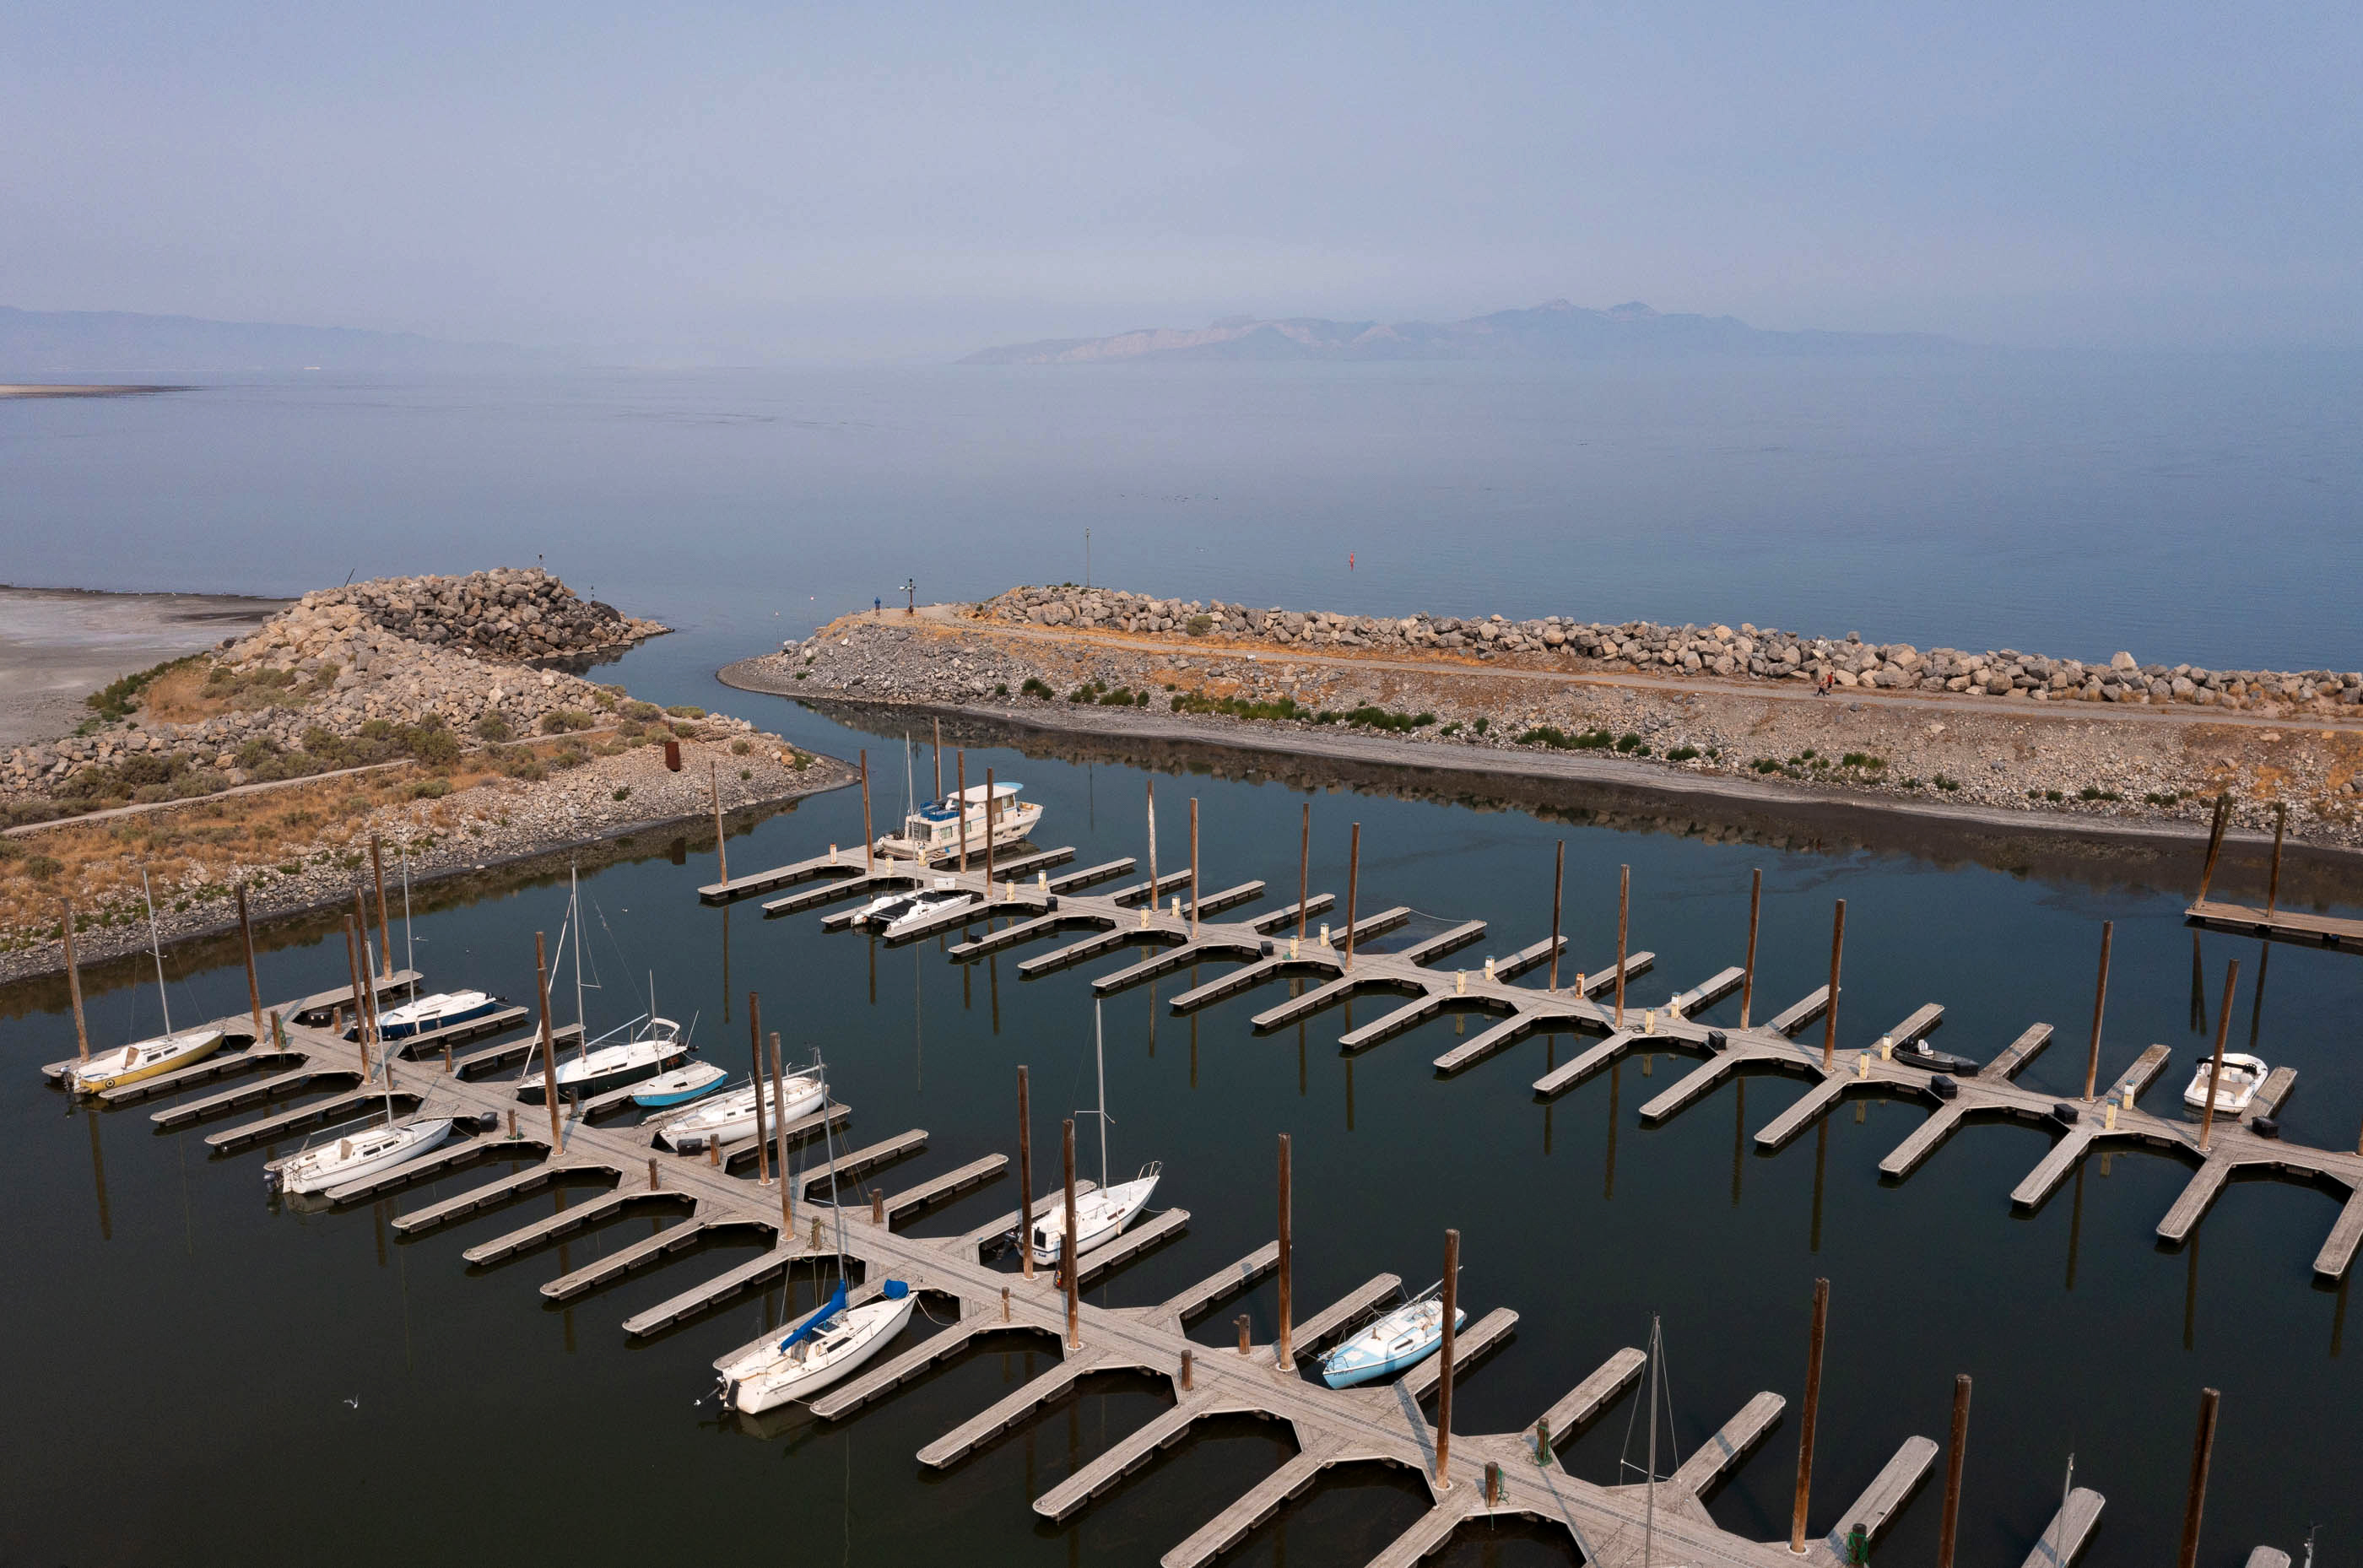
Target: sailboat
355 1155
931 833
1396 1342
650 1044
1102 1214
730 1115
825 1347
679 1086
147 1057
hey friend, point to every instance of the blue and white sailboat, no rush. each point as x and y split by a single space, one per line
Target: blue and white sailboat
1396 1342
679 1086
825 1347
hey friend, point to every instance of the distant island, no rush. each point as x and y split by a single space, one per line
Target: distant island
39 342
1556 331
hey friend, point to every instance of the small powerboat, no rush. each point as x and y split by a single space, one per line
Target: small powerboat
1920 1053
606 1067
729 1116
823 1348
354 1156
679 1086
428 1014
2243 1076
898 911
1400 1340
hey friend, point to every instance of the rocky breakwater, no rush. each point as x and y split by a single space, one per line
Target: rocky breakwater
1747 652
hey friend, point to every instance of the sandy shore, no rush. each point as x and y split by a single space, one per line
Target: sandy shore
59 645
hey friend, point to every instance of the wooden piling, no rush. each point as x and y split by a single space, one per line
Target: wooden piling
721 849
2203 1451
2100 1001
779 1131
2214 843
755 1082
1947 1530
384 927
653 1173
869 835
938 751
1246 1343
1559 896
1194 868
1493 1483
1152 843
1755 919
1623 928
253 989
1353 877
1281 1355
2216 1073
1304 870
353 968
73 988
1812 1409
1068 1254
960 786
1443 1363
1024 1176
1188 1358
2273 883
989 803
1830 1012
548 1046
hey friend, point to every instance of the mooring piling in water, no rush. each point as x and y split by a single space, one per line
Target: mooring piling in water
2194 1502
1755 919
1282 1355
548 1046
1830 1010
246 944
1070 1259
1808 1411
1444 1357
1623 929
1025 1177
1948 1523
73 986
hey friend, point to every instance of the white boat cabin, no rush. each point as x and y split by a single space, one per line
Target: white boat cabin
933 832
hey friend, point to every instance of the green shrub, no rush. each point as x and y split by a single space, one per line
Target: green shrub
1628 741
1552 736
431 742
1238 708
492 727
1765 765
2161 797
1862 759
1481 726
430 789
684 710
1682 753
117 698
41 868
621 792
1201 625
1035 686
570 755
1946 784
560 720
643 711
2094 791
741 746
1001 688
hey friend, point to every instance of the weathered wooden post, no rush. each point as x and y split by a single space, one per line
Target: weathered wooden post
1152 843
1559 894
1025 1176
2216 1073
990 804
353 968
1353 877
721 848
1755 918
548 1046
1813 1406
1947 1530
779 1131
1830 1013
937 749
2100 1001
1623 926
959 785
2273 884
1444 1365
1070 1256
253 988
1304 870
755 1082
868 836
2194 1504
73 987
1282 1356
1246 1347
1193 868
1188 1358
384 929
2214 843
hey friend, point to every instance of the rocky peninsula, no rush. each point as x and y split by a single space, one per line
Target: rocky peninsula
419 711
2106 743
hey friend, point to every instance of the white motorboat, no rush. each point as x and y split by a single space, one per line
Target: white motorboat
2243 1076
441 1010
1102 1214
147 1057
602 1067
354 1155
729 1116
823 1348
906 908
679 1086
931 833
1400 1340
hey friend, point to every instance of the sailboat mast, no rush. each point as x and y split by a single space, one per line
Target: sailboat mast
157 950
1099 1058
828 1137
574 916
409 947
1649 1512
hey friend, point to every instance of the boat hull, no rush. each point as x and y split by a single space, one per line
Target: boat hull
92 1078
697 1081
691 1135
752 1386
293 1176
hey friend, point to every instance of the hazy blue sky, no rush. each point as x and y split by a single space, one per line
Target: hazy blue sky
759 182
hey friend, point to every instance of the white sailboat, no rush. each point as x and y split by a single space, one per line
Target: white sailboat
1396 1342
650 1044
1102 1214
931 833
825 1347
148 1058
354 1155
729 1116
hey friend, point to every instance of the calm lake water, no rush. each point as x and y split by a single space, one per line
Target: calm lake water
255 1384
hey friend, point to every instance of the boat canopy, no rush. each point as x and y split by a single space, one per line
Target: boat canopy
818 1321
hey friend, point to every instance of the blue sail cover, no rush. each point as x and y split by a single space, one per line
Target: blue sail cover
814 1324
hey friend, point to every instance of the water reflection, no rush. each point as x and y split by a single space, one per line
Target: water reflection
98 1174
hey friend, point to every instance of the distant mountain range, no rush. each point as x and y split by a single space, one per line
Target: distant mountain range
1557 330
37 342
